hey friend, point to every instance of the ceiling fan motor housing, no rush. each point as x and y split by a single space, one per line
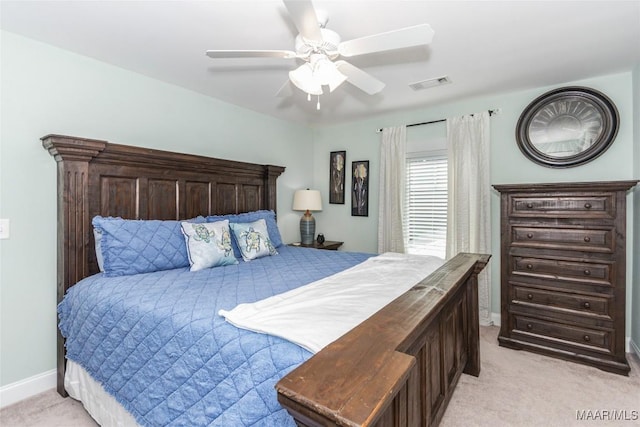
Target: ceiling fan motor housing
328 45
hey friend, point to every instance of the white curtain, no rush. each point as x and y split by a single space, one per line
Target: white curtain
469 204
392 189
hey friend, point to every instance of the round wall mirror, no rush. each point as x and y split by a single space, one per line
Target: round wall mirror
567 127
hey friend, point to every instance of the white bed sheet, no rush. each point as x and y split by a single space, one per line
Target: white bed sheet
103 407
315 315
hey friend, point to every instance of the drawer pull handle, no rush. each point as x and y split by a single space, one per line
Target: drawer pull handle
586 305
529 205
529 326
587 272
587 338
529 267
587 239
529 296
587 205
530 235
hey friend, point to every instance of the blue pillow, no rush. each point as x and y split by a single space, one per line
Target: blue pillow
128 246
268 216
208 244
253 239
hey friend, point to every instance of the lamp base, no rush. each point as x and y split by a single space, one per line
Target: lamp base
307 228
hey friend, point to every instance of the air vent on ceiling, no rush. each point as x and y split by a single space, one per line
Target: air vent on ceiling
426 84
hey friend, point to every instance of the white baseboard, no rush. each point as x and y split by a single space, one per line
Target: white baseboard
495 318
20 390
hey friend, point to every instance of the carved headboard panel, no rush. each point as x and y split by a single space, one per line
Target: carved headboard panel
100 178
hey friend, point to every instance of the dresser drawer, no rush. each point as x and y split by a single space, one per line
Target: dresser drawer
588 240
591 273
554 300
550 331
564 206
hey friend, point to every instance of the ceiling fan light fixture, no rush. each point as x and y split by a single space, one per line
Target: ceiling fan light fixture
319 71
336 80
325 72
303 78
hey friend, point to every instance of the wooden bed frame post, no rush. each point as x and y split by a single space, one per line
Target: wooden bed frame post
271 175
473 333
72 157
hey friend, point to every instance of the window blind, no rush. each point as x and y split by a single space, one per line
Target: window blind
426 204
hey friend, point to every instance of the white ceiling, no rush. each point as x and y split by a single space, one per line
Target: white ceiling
483 46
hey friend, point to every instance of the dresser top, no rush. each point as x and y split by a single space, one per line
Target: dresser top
564 186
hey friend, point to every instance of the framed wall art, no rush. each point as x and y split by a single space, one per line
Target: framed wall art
337 164
360 188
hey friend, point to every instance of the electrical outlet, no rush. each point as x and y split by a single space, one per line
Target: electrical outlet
4 228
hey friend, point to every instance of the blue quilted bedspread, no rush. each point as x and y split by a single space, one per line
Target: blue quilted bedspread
155 341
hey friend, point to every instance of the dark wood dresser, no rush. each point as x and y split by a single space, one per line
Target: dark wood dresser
563 268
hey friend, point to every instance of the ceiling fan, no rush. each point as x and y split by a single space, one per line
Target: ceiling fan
319 48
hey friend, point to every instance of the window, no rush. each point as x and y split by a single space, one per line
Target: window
426 203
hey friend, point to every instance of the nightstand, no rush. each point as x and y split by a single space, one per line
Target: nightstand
328 245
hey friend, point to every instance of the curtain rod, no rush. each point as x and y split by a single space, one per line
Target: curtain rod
491 113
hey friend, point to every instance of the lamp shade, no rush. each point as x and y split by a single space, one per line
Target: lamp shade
307 200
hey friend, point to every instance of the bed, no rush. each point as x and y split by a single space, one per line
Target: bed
399 367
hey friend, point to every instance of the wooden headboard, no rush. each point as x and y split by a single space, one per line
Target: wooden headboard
101 178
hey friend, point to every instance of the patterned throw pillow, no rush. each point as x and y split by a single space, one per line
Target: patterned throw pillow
253 239
208 244
268 216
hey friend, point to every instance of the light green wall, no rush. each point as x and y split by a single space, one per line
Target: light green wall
635 260
508 164
48 90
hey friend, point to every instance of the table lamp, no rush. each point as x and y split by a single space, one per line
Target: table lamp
307 200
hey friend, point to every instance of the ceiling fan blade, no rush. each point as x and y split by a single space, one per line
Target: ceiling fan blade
359 78
304 18
285 90
286 54
397 39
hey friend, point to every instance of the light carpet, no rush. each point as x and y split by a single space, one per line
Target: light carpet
515 388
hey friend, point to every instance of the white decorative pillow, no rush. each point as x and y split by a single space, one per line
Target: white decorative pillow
208 244
253 239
